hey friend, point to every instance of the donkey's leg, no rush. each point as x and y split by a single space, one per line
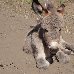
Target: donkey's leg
39 53
69 46
27 45
62 57
64 49
66 45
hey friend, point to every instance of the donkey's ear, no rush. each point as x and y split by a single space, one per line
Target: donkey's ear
61 9
37 7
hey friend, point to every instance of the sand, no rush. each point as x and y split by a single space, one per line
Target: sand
15 21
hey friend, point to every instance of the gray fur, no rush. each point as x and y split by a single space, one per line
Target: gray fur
46 41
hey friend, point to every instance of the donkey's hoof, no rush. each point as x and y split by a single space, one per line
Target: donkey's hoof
42 63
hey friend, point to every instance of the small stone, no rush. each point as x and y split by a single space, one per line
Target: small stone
17 68
10 64
6 65
1 65
26 17
3 68
67 30
14 66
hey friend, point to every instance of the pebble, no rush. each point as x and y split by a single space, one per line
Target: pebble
26 17
14 66
10 64
67 30
6 65
1 65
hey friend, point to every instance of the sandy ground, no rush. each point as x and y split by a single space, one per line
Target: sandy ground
15 21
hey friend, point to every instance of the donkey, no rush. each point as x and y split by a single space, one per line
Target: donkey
45 38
